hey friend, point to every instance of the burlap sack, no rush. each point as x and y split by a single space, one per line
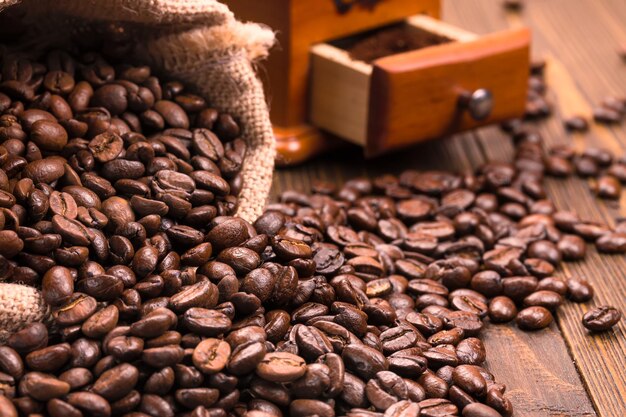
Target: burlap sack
196 41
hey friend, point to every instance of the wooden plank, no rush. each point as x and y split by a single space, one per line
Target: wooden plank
534 368
584 68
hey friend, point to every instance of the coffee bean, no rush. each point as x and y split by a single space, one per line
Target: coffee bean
470 380
579 290
211 355
101 322
479 410
206 322
49 358
112 97
612 243
48 135
117 382
572 247
93 404
502 309
604 115
363 360
106 146
607 186
79 308
10 362
42 387
548 299
202 294
403 409
288 249
281 367
576 124
45 170
601 318
57 285
302 408
534 318
31 337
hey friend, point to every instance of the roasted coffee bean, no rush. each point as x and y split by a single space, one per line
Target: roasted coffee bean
117 382
10 362
49 358
502 309
470 380
548 299
572 247
42 387
289 249
206 322
303 407
281 367
385 390
534 318
91 403
57 285
152 325
245 358
202 294
579 290
576 124
162 356
612 243
601 318
211 355
101 322
125 348
106 146
79 308
471 351
364 360
33 336
7 408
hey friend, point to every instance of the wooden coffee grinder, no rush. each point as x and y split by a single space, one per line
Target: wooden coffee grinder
319 93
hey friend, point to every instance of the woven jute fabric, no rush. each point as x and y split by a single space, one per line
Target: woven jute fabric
19 304
196 41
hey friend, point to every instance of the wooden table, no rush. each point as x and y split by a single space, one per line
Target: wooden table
562 370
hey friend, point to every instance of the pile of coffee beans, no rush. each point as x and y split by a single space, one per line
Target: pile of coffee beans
116 197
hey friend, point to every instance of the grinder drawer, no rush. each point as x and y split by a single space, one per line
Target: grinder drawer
401 99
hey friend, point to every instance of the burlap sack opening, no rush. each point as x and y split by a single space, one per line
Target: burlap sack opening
196 41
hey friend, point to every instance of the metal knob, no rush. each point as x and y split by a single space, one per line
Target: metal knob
478 103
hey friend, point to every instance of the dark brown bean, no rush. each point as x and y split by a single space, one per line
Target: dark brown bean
534 318
601 318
